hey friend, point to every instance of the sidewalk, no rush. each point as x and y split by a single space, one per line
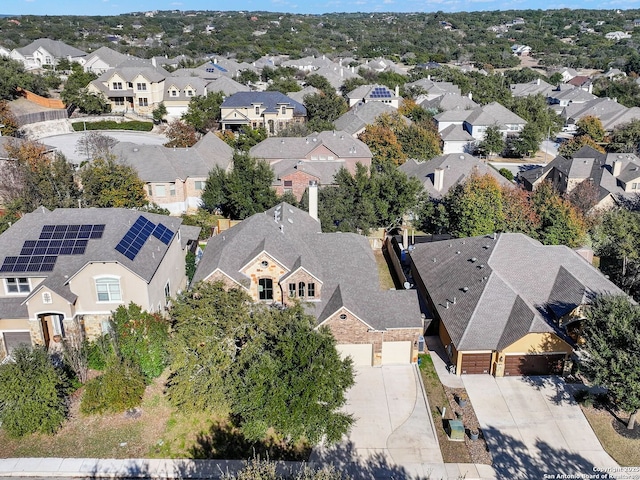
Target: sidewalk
440 360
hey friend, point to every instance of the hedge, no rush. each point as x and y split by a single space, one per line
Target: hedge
113 125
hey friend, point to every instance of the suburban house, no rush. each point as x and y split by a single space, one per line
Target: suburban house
298 162
225 67
65 271
456 139
355 121
272 110
105 58
535 87
281 256
610 112
491 114
374 93
449 101
337 74
299 95
138 88
457 116
178 92
433 89
46 52
444 172
310 63
614 175
492 318
175 177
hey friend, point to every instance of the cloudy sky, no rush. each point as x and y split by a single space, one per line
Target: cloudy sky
114 7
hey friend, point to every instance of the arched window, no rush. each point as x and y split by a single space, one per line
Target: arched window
108 289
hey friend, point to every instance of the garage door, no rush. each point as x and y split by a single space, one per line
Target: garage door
361 353
475 363
396 352
13 339
547 364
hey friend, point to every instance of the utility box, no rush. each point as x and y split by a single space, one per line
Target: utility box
455 430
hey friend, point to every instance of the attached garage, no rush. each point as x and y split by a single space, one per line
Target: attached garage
475 363
396 353
542 364
361 353
14 339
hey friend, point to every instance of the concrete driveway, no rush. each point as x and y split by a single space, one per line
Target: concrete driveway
534 428
393 435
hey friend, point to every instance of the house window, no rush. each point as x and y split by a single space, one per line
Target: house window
118 101
57 325
264 264
265 289
149 189
292 290
141 86
172 189
143 102
634 186
189 93
311 290
283 110
288 183
116 86
200 184
108 289
301 287
18 285
257 110
46 298
167 291
161 191
343 316
174 93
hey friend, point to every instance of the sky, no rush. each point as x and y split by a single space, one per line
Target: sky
116 7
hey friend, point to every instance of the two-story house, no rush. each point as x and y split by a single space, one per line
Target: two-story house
45 52
64 271
281 256
273 111
298 162
491 114
375 93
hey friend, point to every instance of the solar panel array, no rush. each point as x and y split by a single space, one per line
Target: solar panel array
214 67
41 255
380 92
139 233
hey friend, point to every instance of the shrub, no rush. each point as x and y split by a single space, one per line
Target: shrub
141 339
32 393
120 387
113 125
506 173
100 352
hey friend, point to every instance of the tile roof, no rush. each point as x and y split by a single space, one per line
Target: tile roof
343 262
495 302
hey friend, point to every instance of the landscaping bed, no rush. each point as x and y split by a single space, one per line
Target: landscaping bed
134 125
468 451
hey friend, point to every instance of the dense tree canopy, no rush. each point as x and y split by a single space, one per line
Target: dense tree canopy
266 365
611 333
14 76
625 138
204 111
180 134
107 183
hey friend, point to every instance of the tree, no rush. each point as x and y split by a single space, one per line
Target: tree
421 142
180 134
584 196
560 222
8 121
33 178
95 144
247 77
567 149
204 111
107 183
91 103
324 106
319 82
298 385
527 142
592 127
384 145
14 76
75 91
611 333
296 388
493 141
625 138
159 112
284 85
617 241
32 393
243 191
475 207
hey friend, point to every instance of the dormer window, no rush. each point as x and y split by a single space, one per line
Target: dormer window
174 93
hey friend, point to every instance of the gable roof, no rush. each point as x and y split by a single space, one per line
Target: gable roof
269 100
450 101
99 248
343 262
108 56
342 145
456 168
495 304
54 47
494 113
157 163
361 115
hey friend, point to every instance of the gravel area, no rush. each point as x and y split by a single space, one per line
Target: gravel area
478 449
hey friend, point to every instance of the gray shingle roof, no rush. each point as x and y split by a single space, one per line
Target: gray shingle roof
343 262
456 168
340 143
494 113
450 101
55 47
117 222
156 163
108 56
269 100
514 286
362 115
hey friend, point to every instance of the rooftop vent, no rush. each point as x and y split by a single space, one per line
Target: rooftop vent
465 289
473 260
